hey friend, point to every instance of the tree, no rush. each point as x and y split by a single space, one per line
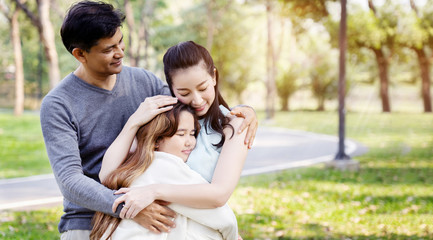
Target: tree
378 35
12 17
271 59
286 84
416 31
139 34
323 76
41 20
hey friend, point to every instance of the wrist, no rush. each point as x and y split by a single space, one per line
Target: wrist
132 125
158 192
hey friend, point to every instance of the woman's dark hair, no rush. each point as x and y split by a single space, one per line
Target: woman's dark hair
189 54
87 22
163 125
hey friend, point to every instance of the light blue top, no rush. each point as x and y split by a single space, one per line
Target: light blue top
204 157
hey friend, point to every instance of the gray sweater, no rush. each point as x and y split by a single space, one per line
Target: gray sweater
79 122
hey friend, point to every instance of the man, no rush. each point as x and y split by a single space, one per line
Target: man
83 115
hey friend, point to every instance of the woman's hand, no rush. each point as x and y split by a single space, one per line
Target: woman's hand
250 121
134 199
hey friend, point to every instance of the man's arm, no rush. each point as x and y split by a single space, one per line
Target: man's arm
61 141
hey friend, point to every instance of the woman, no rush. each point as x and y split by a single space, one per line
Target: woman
220 152
164 145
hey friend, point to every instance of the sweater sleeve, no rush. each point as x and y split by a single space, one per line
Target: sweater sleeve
61 141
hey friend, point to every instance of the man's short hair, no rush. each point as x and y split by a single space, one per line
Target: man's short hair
87 22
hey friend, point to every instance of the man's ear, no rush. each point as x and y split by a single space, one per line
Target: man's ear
78 53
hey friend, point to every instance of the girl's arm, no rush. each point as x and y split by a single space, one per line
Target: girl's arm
215 194
119 149
226 176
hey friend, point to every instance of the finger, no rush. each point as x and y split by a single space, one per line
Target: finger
123 212
161 97
251 132
162 202
154 229
168 212
237 113
253 136
122 190
163 109
116 203
245 123
164 225
134 213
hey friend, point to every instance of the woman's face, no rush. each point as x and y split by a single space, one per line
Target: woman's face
183 142
194 86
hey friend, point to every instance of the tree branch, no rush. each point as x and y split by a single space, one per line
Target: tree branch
372 7
35 20
5 10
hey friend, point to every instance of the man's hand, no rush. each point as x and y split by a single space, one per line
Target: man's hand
250 121
157 217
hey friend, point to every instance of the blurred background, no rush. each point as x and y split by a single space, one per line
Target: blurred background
271 54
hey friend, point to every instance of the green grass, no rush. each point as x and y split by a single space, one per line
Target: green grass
22 149
391 197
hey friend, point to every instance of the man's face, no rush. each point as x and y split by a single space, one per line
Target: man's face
105 58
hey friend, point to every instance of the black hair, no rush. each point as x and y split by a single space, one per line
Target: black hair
87 22
189 54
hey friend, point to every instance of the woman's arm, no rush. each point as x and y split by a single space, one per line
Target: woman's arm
119 149
215 194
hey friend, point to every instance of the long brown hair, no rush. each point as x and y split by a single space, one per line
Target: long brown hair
163 125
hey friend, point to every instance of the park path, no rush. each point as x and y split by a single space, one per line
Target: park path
274 149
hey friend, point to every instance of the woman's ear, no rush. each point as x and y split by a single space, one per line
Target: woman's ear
78 53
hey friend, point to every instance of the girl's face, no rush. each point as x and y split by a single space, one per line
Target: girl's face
183 142
194 86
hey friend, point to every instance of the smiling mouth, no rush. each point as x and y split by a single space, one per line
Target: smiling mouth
201 108
187 152
117 63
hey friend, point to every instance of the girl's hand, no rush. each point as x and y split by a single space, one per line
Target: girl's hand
151 107
134 199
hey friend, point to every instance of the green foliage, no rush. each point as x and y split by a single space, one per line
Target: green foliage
286 84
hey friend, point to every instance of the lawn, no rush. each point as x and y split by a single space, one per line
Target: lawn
391 197
22 149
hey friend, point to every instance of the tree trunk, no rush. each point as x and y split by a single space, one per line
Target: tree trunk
48 40
129 13
425 76
320 104
285 104
210 24
19 70
382 64
143 32
270 66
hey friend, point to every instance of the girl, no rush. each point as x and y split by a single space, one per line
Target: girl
220 152
164 145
